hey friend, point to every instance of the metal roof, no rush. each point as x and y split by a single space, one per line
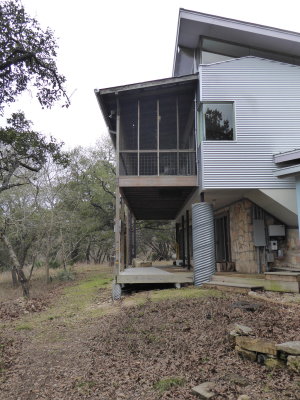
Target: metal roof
192 25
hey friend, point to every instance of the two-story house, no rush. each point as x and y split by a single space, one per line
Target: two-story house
214 147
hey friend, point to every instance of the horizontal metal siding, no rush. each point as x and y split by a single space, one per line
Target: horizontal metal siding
267 115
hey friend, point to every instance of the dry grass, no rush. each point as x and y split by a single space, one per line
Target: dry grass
38 285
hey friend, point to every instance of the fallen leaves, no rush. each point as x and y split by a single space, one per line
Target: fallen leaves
130 354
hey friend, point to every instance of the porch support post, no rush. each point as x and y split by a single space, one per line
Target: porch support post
133 248
188 239
128 237
122 236
177 242
117 233
117 227
183 241
297 178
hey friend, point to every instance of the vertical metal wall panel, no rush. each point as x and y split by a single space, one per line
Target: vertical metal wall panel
266 95
203 242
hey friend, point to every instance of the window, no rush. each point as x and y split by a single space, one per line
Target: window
218 121
213 50
210 58
231 50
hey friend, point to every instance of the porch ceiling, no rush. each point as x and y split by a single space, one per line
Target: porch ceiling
156 203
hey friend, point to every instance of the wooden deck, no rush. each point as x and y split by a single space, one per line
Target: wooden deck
166 274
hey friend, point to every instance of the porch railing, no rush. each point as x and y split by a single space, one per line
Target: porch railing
163 162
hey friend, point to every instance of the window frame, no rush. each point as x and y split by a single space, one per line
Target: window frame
202 133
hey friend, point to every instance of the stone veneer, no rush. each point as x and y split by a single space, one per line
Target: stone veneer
241 237
291 256
243 251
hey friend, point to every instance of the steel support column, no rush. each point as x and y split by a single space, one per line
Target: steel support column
188 254
297 178
183 241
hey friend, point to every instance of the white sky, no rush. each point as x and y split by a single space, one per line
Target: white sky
115 42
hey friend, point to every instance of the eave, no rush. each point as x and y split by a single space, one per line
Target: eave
192 25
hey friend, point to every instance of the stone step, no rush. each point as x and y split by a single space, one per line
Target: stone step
232 286
237 279
285 276
287 269
281 285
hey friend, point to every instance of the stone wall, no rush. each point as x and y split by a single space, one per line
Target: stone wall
241 237
291 251
244 253
264 351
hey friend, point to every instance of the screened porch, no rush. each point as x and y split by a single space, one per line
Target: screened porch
157 132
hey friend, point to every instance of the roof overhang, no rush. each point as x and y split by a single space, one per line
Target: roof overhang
287 171
192 25
288 163
292 155
107 98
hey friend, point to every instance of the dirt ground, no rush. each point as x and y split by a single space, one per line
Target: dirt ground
75 343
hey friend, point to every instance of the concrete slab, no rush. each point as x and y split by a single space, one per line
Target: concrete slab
153 275
281 285
232 286
283 276
144 271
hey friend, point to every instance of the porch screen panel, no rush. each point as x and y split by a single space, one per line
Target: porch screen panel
167 163
128 164
186 111
187 163
148 123
129 125
148 163
167 123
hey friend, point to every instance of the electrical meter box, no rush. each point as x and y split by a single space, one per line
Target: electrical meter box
276 230
274 245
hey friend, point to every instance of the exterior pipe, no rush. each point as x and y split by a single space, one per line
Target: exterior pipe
203 242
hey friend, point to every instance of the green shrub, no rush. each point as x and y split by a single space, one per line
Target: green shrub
65 275
54 264
167 383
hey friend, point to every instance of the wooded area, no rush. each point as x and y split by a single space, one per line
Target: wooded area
56 208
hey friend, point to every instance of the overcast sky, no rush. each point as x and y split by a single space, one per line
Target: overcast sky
115 42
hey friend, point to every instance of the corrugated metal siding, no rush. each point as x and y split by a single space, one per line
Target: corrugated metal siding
267 113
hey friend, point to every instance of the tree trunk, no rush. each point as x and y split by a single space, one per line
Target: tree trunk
88 253
63 251
16 265
47 267
14 277
99 256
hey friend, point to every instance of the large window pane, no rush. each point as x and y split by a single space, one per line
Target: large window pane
227 49
210 58
218 121
215 50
